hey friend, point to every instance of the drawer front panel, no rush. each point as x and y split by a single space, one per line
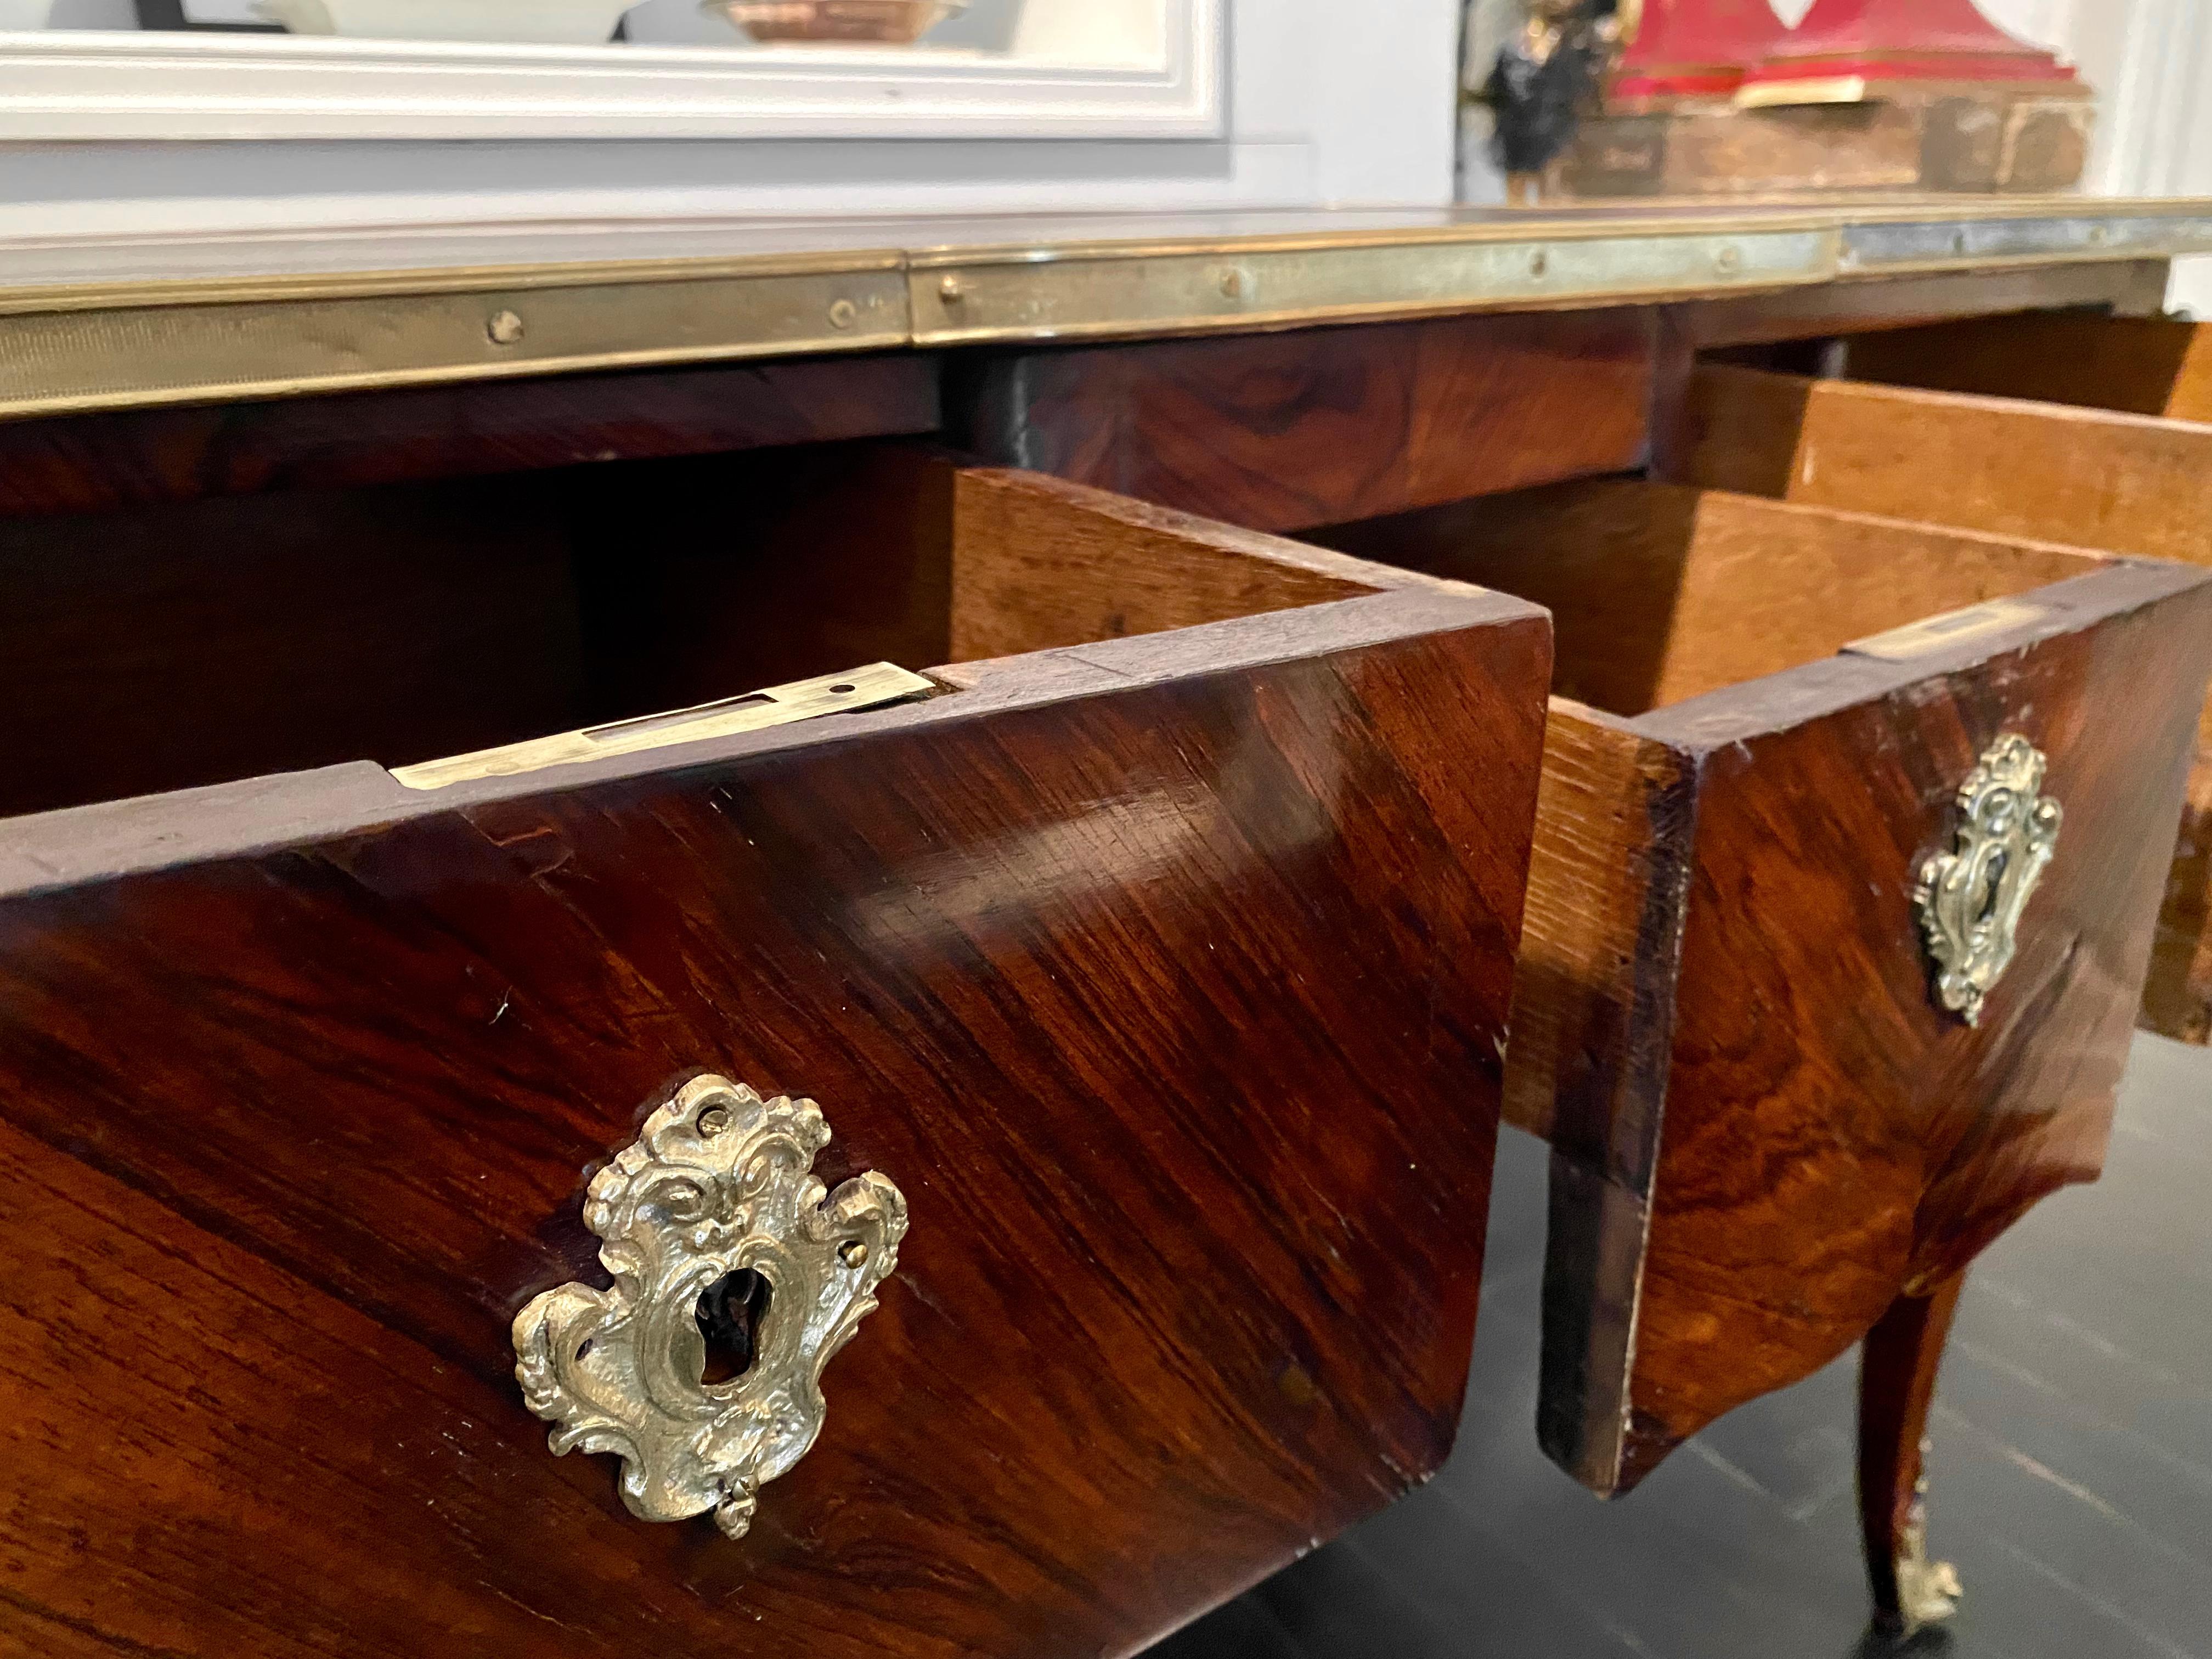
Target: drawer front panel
1836 1136
1173 1008
2116 483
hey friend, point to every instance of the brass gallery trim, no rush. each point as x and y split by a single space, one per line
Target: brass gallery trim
65 362
410 282
107 346
1081 293
1970 244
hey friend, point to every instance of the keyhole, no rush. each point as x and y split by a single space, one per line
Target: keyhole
1996 872
730 1313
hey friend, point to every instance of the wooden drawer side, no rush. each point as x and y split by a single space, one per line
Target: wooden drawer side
1039 563
2117 483
1587 1057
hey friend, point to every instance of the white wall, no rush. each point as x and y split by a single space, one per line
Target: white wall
1320 111
2151 63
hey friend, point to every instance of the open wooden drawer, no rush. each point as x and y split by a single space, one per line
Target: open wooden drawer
1162 979
1786 1110
2123 482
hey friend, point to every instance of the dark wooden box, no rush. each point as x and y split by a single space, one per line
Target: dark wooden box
1162 957
1771 1134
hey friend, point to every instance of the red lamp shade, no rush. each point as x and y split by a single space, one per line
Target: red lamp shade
1842 42
1694 48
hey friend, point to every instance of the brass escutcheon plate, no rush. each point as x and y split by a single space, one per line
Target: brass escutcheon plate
719 1187
1971 899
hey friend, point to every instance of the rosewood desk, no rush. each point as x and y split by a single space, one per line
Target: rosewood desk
975 1131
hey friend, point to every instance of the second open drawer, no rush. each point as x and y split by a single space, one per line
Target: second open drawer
1802 1025
2128 479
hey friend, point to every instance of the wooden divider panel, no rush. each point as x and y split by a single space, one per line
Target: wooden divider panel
1287 430
1661 591
2135 365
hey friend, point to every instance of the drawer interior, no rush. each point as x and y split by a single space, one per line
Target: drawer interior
2135 365
1662 591
228 638
2088 477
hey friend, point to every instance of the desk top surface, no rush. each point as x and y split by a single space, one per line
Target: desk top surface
110 322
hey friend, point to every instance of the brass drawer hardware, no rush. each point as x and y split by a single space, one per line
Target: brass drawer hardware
1970 900
716 1230
1953 627
871 686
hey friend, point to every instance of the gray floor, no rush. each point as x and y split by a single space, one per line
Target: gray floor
2072 1465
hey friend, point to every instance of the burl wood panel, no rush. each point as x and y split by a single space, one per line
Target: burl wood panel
1167 975
2136 365
1833 1139
1290 430
2129 484
97 463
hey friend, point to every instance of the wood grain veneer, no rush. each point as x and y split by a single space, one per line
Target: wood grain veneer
1290 430
1766 1134
2129 483
2135 365
140 458
1828 309
1168 976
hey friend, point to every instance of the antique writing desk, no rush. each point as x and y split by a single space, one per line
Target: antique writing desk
1128 853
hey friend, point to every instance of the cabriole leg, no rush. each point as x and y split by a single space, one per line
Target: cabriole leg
1897 1384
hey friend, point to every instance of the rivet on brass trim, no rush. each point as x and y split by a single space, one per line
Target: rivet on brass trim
843 314
505 328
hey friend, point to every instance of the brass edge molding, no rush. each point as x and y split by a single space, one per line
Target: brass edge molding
1518 228
72 349
2052 235
406 281
1060 293
63 361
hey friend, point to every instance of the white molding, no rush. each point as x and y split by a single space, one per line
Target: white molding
79 85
